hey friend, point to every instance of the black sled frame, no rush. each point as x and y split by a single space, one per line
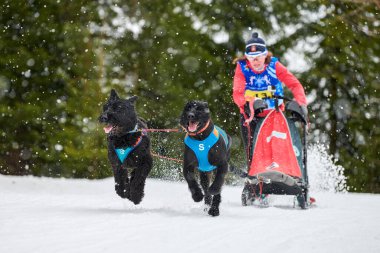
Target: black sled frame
278 183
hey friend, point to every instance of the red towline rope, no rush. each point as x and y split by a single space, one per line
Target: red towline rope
168 158
161 130
168 130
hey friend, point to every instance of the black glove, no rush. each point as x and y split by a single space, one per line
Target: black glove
304 111
247 111
259 106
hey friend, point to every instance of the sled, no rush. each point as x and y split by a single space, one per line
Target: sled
278 157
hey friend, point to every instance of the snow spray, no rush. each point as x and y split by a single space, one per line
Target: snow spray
324 174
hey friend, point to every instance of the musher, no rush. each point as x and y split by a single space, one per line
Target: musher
259 76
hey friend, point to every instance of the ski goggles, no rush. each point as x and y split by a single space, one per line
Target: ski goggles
251 57
255 50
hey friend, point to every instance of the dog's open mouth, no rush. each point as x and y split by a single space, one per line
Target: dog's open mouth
108 128
192 126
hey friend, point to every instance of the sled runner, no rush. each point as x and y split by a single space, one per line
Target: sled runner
278 157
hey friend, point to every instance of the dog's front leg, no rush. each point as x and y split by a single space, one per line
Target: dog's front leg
121 181
189 175
138 177
205 183
221 172
120 173
214 210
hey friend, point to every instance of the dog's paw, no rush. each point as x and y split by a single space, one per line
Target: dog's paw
136 200
208 200
136 197
122 192
197 196
214 211
213 190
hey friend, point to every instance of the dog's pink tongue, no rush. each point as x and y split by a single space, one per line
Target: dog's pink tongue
192 127
107 129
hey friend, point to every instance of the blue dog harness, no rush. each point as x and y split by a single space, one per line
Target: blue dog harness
262 82
202 148
122 153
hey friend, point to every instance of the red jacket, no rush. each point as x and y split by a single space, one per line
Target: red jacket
283 75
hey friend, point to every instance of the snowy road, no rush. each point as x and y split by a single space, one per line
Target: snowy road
58 215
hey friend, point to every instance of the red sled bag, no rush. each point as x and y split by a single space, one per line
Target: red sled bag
278 157
273 149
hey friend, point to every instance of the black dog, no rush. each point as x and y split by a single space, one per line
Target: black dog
207 147
128 146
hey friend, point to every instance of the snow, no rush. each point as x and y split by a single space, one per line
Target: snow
68 215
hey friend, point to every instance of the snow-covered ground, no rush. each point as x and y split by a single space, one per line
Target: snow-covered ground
61 215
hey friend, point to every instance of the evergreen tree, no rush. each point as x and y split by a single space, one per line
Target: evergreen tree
344 78
49 93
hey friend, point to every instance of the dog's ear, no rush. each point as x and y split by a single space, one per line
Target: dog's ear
133 99
113 95
206 108
205 104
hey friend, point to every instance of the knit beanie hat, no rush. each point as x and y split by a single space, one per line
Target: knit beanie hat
255 46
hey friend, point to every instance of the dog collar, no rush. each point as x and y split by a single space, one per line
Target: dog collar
134 129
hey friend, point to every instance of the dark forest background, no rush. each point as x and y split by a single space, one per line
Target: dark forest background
60 58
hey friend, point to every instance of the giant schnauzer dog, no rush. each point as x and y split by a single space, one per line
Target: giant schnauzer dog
207 147
128 146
